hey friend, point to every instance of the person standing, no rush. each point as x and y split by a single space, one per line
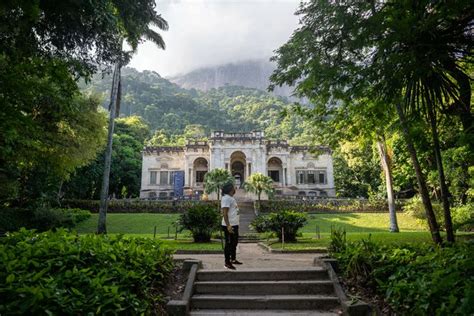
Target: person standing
230 225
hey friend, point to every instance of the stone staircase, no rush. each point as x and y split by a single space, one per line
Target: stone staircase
247 214
264 292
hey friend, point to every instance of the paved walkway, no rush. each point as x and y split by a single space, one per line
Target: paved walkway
255 257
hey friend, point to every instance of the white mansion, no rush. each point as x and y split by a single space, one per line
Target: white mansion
169 172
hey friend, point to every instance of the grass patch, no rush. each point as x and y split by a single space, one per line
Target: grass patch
133 224
308 242
360 222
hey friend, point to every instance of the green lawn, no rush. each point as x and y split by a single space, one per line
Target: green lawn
360 222
140 224
357 225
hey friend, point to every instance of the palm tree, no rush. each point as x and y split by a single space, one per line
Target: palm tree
258 183
114 108
214 180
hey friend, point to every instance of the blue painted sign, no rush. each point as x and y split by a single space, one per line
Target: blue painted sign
178 183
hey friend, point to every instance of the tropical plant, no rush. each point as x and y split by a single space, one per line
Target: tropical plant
215 179
114 107
63 273
375 53
288 221
416 279
202 220
258 183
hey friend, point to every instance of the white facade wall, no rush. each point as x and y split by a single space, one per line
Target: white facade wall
289 164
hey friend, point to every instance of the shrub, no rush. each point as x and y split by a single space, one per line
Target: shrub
59 273
12 219
414 279
49 218
414 207
42 218
328 205
273 222
137 205
463 217
202 220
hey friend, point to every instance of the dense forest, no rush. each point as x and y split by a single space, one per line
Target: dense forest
155 111
169 109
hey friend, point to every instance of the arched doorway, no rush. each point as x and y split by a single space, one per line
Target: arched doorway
237 167
275 169
200 167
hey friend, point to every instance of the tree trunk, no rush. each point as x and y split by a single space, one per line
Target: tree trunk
442 181
434 228
387 168
258 203
102 227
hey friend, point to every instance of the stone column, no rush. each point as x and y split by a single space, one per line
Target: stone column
186 172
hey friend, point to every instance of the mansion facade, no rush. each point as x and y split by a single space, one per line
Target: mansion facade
171 172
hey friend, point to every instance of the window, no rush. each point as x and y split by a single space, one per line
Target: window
200 176
152 177
311 177
164 177
163 195
275 175
322 177
299 177
172 173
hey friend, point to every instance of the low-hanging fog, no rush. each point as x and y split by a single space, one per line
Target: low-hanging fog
214 32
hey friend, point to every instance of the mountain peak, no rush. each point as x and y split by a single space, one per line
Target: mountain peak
249 73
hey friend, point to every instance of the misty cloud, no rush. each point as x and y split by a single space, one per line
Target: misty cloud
212 32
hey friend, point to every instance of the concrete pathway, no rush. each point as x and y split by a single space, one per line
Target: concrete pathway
255 257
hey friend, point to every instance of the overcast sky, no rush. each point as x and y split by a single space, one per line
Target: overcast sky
211 32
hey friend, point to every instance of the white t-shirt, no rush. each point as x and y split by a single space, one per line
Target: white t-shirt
233 214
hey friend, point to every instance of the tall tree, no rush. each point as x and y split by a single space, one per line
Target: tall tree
45 47
351 49
114 108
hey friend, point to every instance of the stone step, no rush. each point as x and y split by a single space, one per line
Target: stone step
263 275
265 287
288 302
267 312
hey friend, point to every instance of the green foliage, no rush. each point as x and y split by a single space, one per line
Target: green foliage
49 218
258 183
62 273
329 206
129 137
338 240
202 220
274 222
215 179
12 219
138 206
73 28
41 218
414 207
463 217
414 279
48 129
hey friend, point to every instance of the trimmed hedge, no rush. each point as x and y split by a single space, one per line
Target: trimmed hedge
137 205
41 218
59 273
328 206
